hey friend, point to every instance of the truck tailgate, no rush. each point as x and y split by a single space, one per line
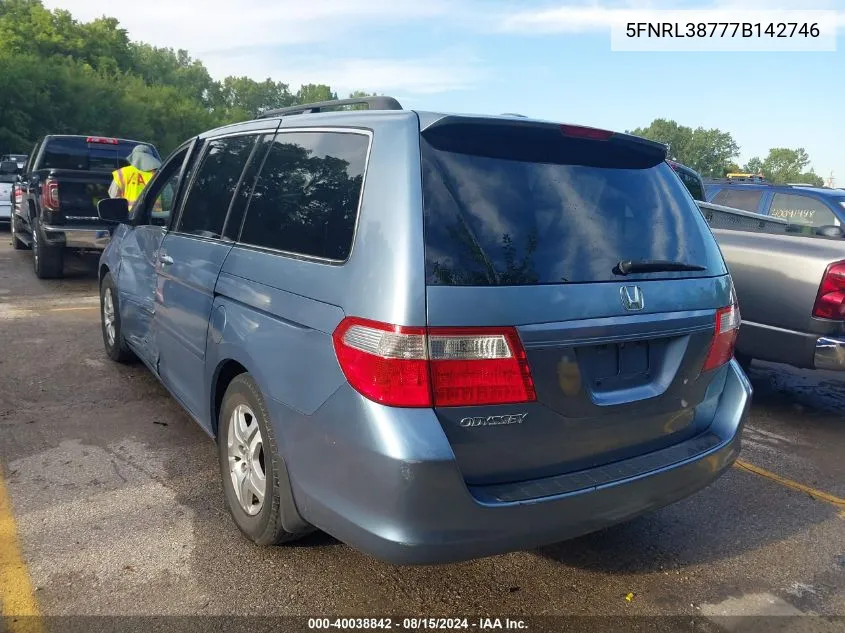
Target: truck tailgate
777 277
79 192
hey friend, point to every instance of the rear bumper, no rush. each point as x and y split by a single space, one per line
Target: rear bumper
90 238
830 354
805 350
392 487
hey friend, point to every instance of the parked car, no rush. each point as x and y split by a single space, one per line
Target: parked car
62 182
790 287
435 337
8 178
18 159
808 208
691 179
791 290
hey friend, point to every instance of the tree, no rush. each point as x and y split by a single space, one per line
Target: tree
60 75
754 166
709 152
784 165
314 93
244 98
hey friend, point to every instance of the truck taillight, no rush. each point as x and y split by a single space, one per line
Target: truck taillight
830 301
724 337
18 193
433 367
50 194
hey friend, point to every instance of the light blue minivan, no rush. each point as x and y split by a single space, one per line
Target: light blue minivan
435 337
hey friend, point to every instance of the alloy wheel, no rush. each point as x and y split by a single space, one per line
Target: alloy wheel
246 460
108 316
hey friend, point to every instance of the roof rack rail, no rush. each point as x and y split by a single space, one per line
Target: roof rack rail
513 114
373 103
764 183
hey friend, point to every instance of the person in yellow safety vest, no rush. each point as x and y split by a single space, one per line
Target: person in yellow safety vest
128 182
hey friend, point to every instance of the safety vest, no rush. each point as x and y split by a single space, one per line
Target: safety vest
131 182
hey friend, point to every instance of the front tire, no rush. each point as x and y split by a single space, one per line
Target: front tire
113 340
48 260
254 476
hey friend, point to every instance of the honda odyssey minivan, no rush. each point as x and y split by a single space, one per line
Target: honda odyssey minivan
433 336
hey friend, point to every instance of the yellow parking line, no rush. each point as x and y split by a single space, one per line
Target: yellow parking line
794 485
16 595
71 309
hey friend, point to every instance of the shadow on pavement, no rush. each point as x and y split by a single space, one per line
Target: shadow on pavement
805 391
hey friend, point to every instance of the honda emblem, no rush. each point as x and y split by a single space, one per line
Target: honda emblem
632 298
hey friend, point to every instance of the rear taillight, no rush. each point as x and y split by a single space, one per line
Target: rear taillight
18 193
102 139
50 194
830 301
433 367
724 338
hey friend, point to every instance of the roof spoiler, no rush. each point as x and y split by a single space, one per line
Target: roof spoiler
531 140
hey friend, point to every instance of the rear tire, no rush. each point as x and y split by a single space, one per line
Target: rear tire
113 340
14 229
47 260
249 460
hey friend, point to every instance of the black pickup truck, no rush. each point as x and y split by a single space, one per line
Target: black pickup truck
64 178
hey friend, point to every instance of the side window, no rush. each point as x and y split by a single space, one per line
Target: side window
744 199
159 201
804 210
217 177
306 198
694 186
240 200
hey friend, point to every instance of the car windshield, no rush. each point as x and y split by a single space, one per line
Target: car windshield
79 154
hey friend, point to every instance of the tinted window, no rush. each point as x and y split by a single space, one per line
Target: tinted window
744 199
214 185
693 184
240 200
799 209
306 198
77 153
493 221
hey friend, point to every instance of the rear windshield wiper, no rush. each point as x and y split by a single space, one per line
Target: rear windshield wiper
627 266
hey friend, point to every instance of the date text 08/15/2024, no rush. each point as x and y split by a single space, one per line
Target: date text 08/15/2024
416 624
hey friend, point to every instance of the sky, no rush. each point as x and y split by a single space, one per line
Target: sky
542 58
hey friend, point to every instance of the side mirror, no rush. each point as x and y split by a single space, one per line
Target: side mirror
8 167
113 210
830 230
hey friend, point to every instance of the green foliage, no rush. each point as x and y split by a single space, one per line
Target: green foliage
62 76
314 93
712 152
786 165
709 152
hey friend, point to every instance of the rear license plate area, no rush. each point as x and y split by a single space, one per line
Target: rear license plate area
615 365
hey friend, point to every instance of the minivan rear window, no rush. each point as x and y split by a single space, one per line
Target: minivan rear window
570 217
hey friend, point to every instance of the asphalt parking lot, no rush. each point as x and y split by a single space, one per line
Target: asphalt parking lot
117 507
